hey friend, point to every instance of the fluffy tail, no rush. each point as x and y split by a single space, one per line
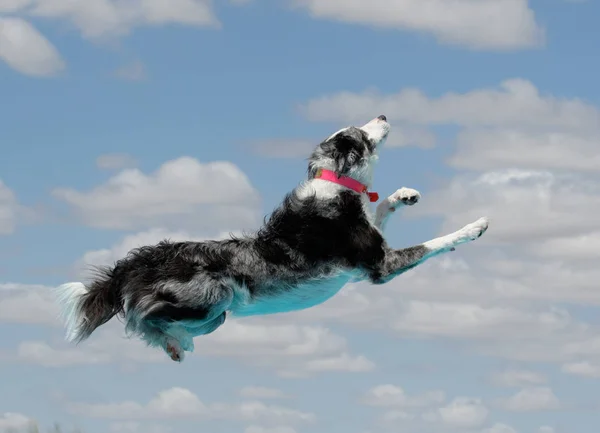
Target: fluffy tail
86 308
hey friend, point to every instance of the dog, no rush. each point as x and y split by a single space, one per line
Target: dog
321 237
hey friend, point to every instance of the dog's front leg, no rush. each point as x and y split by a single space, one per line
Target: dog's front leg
402 197
397 262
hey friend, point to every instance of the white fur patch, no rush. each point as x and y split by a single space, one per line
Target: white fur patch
322 189
68 296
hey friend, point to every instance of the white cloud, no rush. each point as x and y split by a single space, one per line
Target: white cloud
515 103
183 193
499 428
342 362
546 429
464 413
517 378
180 403
287 350
531 400
577 249
261 393
8 6
492 149
458 320
291 350
549 205
40 353
15 421
115 161
22 303
135 427
460 22
99 19
278 429
26 50
584 369
394 396
9 210
405 136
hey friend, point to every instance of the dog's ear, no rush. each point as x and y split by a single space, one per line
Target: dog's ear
345 154
344 160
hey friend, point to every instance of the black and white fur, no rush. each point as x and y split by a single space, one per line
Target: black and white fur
322 236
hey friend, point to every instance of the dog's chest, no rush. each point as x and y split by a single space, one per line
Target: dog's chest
280 299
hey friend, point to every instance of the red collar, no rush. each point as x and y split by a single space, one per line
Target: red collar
348 182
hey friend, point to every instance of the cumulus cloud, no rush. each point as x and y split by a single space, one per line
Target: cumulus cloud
584 368
464 413
515 103
135 427
461 22
548 204
493 149
394 396
533 399
278 429
26 50
97 19
513 125
499 428
15 421
287 350
182 193
22 303
517 378
181 403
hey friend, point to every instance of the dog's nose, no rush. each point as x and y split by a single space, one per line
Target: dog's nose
382 117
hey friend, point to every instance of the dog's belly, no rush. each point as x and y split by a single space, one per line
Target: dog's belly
280 300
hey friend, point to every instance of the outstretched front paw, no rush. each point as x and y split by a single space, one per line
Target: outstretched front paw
404 196
476 229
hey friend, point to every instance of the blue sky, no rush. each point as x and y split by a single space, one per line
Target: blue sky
124 123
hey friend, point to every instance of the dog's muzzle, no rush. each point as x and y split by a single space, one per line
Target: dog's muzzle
377 129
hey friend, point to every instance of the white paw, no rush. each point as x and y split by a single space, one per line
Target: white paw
472 231
174 350
405 196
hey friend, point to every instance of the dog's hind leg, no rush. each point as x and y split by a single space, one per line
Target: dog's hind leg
180 311
205 328
397 262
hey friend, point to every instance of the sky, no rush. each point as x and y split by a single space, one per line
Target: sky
126 122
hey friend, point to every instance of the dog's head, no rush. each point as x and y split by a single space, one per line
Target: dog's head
351 151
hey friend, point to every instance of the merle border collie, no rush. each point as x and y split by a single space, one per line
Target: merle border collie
322 236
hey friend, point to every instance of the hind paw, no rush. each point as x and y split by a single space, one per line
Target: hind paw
174 350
